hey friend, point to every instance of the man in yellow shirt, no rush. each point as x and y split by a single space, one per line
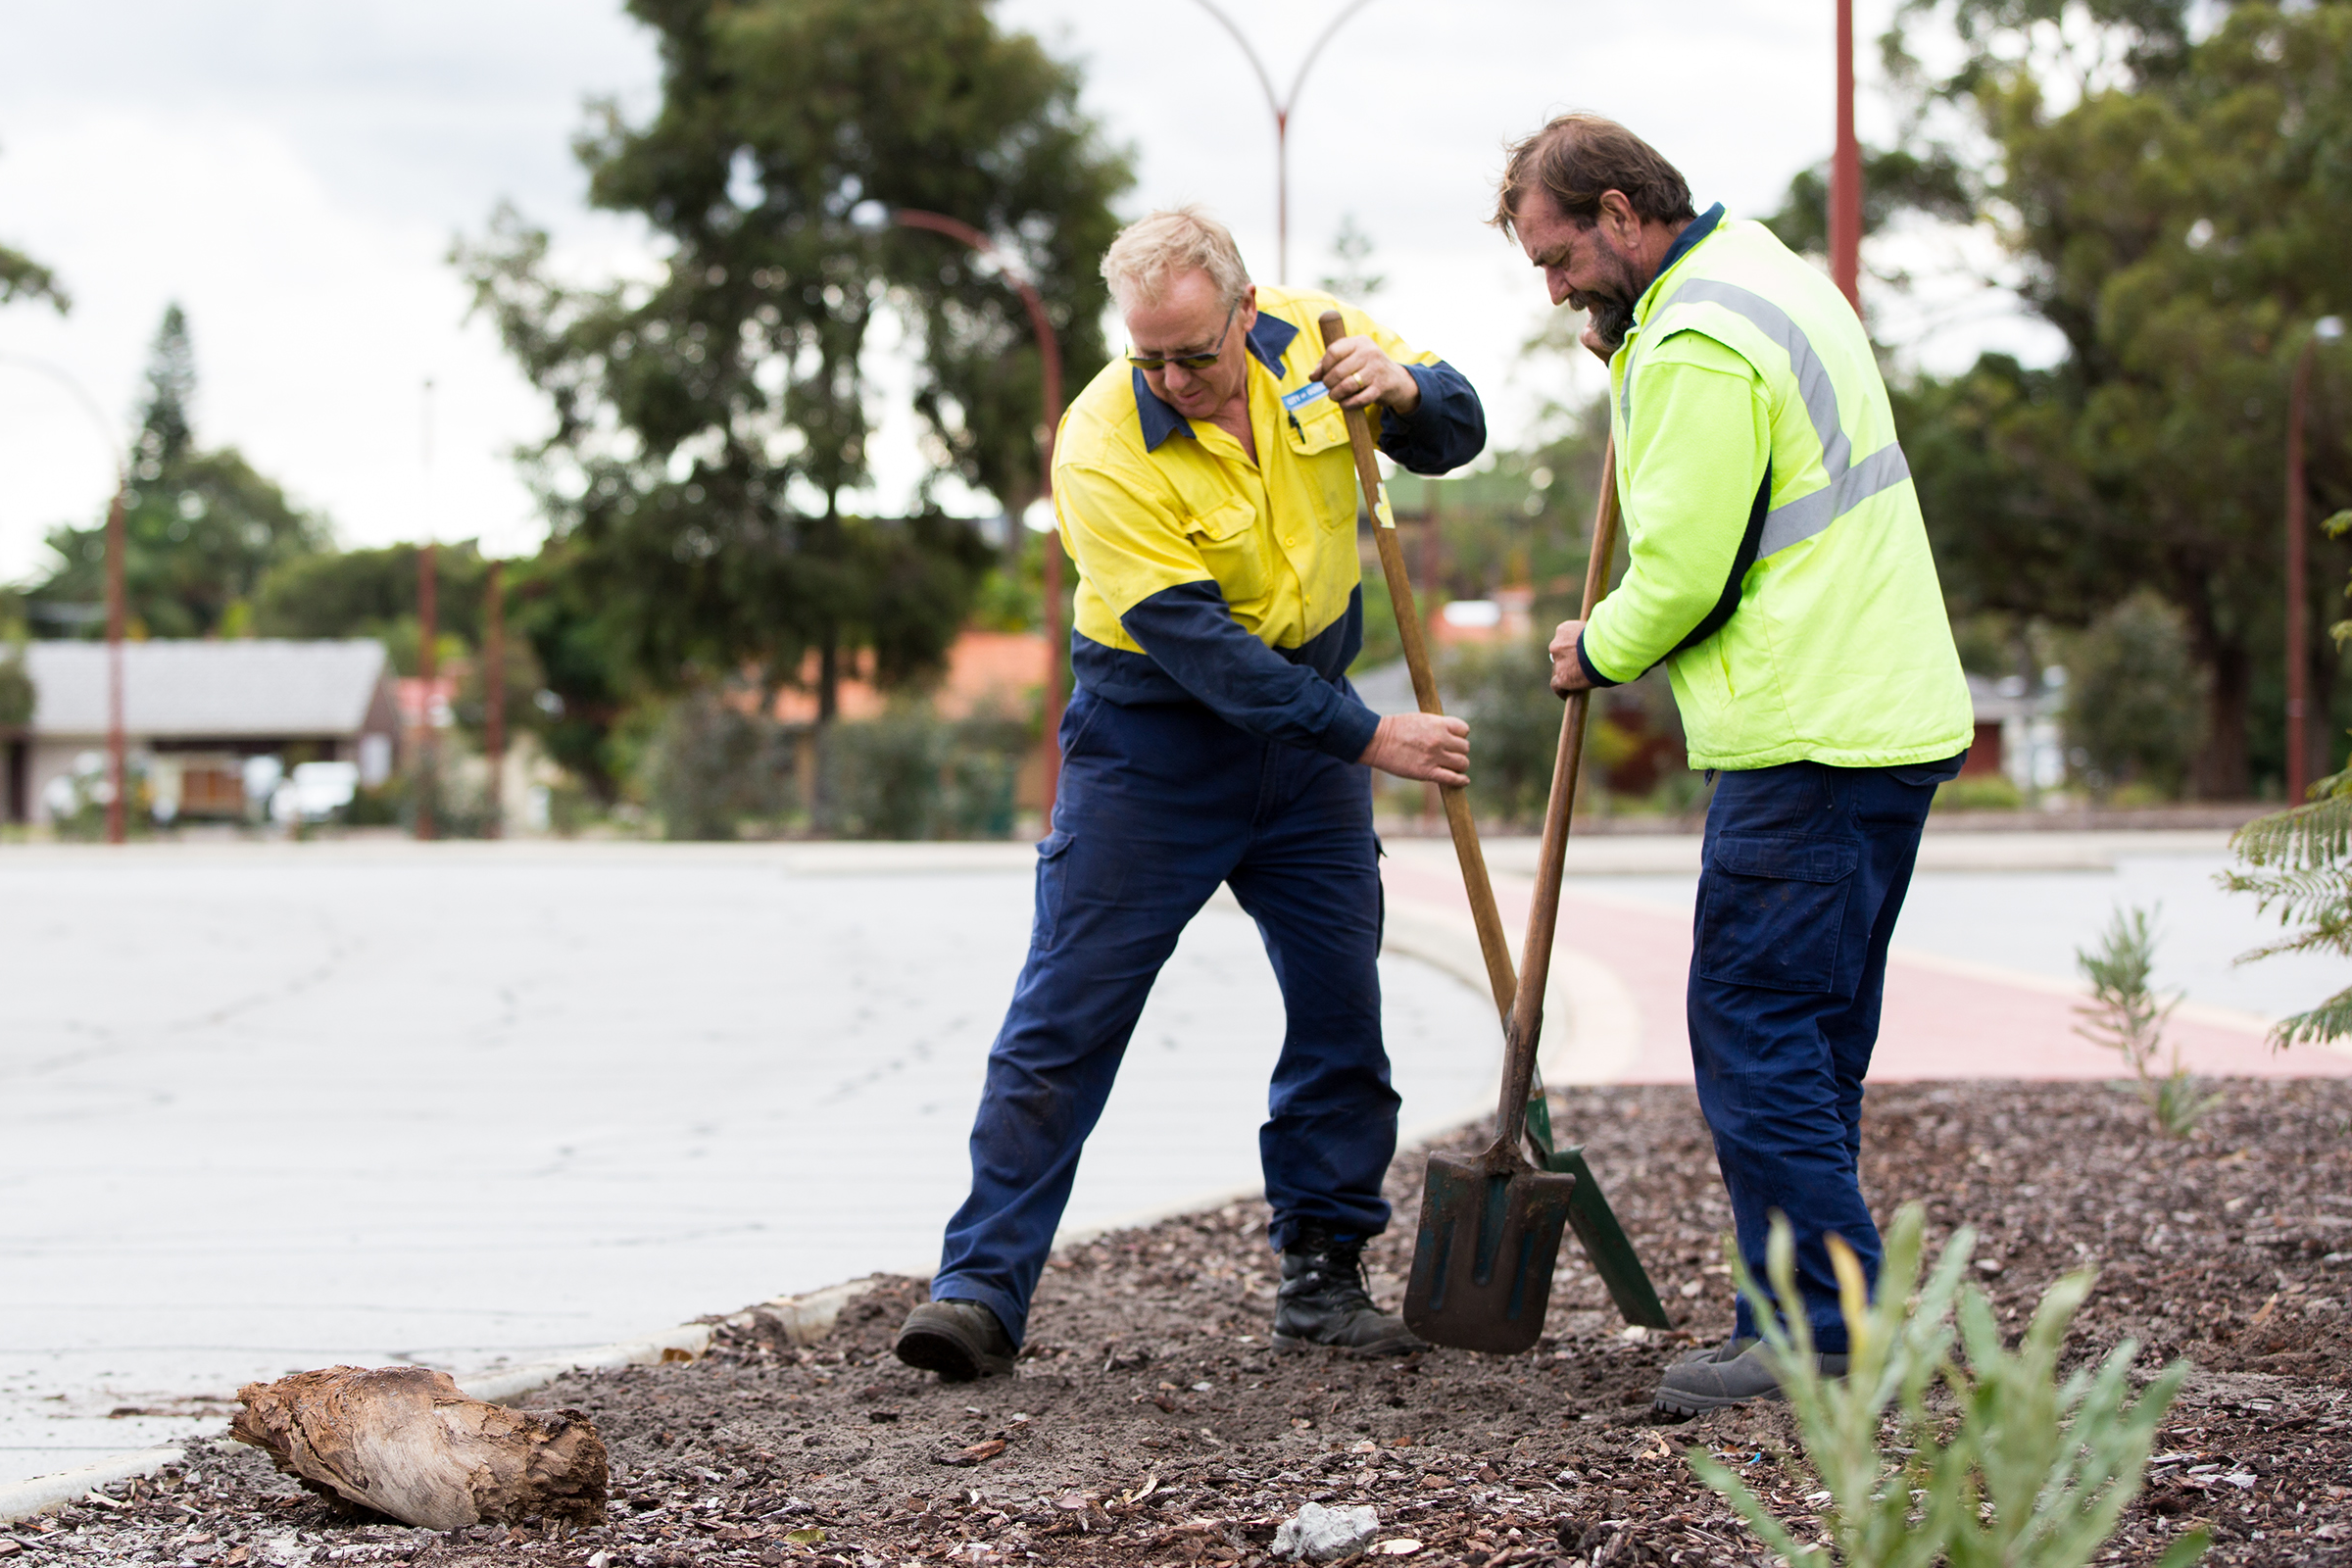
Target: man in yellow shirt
1206 491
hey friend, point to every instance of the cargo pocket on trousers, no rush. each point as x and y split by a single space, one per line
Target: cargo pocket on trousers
1774 914
1052 870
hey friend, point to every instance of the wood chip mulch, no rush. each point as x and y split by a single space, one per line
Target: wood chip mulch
1151 1423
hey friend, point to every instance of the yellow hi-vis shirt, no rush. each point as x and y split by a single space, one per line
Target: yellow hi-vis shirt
1147 499
1205 576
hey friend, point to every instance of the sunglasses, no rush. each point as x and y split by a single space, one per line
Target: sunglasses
1190 361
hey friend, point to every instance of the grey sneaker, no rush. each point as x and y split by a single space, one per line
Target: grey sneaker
1323 1300
1729 1350
958 1340
1693 1386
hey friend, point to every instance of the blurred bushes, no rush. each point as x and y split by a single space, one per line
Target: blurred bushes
2135 700
714 768
1994 792
911 774
710 766
1635 760
1503 690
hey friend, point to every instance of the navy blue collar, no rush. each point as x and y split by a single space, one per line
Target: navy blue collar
1696 229
1267 341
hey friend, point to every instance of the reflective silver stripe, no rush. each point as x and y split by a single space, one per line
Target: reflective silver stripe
1850 483
1807 516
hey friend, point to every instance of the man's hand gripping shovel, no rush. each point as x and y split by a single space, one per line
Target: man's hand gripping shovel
1490 1225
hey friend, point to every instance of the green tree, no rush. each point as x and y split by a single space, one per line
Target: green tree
373 593
200 527
2178 209
23 278
709 421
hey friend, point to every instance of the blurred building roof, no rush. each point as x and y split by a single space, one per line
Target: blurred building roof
1996 700
247 687
985 669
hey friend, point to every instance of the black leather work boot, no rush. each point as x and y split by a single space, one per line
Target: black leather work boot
1324 1301
958 1340
1696 1384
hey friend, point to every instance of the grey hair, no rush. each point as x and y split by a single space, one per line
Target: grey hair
1153 251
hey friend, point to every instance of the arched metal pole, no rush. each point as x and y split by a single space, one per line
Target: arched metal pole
116 743
1048 349
1282 109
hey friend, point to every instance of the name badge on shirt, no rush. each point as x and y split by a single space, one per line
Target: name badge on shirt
1312 392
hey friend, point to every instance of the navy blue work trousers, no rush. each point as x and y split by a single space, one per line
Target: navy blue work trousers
1157 805
1802 875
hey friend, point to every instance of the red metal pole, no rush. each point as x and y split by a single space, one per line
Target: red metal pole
1048 349
1846 172
2298 626
494 694
428 629
1052 545
118 771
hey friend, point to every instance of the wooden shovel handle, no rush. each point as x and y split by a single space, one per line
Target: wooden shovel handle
1492 942
1544 914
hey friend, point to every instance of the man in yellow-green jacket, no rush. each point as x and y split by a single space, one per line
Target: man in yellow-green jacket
1777 566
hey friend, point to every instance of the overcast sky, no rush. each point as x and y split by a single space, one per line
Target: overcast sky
294 173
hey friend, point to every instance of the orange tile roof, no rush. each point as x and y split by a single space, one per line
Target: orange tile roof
985 668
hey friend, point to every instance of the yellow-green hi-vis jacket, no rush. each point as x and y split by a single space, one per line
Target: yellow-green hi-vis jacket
1776 555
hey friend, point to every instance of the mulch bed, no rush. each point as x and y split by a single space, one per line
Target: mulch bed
1151 1422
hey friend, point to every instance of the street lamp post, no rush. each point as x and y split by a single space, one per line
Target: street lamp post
1282 107
117 611
1048 349
2326 330
428 631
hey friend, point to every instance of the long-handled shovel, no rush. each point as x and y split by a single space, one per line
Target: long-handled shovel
1491 1223
1595 1222
1492 942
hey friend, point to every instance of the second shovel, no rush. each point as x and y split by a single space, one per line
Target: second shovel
1491 1223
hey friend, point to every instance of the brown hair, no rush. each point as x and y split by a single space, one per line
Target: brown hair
1578 158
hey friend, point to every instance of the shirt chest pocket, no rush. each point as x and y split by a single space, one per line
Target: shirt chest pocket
1319 442
1232 547
1317 426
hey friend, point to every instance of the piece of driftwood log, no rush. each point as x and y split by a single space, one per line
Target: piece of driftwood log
404 1442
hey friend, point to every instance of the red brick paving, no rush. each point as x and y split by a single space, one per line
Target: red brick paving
1942 1019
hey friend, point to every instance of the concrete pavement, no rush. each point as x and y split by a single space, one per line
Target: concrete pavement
279 1106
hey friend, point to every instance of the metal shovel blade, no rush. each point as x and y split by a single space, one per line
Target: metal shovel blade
1483 1258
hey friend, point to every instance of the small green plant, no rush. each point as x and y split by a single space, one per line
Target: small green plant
2020 1470
2125 1015
2299 863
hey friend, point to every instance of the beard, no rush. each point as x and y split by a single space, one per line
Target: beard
1610 306
1612 315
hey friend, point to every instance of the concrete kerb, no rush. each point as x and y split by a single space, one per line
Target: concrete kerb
806 1319
21 1499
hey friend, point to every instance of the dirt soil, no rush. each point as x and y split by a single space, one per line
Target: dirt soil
1151 1423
